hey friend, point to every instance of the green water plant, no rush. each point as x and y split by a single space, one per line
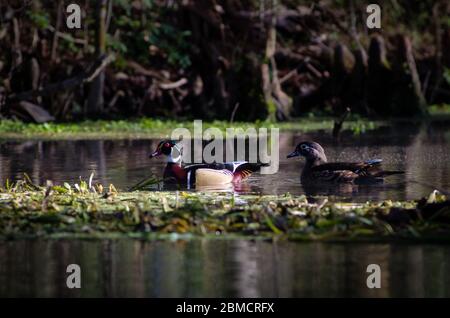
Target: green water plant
156 128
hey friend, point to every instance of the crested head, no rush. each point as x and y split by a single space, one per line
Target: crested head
168 148
312 151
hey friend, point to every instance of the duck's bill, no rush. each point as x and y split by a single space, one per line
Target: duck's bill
293 154
154 154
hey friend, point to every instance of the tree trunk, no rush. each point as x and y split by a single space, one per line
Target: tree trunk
408 99
59 12
16 49
379 80
95 99
265 67
278 104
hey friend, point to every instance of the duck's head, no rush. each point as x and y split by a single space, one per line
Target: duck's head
169 148
311 150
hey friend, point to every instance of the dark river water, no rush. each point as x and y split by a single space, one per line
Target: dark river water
423 152
220 268
239 268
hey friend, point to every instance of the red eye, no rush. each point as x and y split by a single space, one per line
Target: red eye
167 145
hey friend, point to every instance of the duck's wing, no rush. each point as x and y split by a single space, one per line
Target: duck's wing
236 166
356 167
243 169
368 167
344 171
349 171
332 175
193 167
372 169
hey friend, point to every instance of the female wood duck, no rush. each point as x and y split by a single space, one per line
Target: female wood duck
201 174
317 169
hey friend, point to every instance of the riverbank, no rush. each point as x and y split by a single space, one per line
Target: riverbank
144 128
155 128
83 211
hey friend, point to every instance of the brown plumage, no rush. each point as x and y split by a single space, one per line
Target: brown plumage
317 169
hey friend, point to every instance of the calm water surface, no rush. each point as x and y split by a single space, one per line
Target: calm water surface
239 268
219 268
423 152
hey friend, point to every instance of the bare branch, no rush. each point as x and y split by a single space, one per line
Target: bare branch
173 85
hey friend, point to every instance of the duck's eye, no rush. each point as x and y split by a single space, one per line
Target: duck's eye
167 145
303 146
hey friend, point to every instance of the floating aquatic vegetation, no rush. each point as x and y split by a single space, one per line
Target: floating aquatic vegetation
93 210
146 184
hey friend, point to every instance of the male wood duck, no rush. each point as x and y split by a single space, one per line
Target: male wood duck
317 169
201 174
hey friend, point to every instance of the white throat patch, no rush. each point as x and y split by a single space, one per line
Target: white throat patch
175 155
176 159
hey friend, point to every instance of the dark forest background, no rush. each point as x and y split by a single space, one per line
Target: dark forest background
222 59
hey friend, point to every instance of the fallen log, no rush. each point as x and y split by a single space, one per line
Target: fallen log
27 110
